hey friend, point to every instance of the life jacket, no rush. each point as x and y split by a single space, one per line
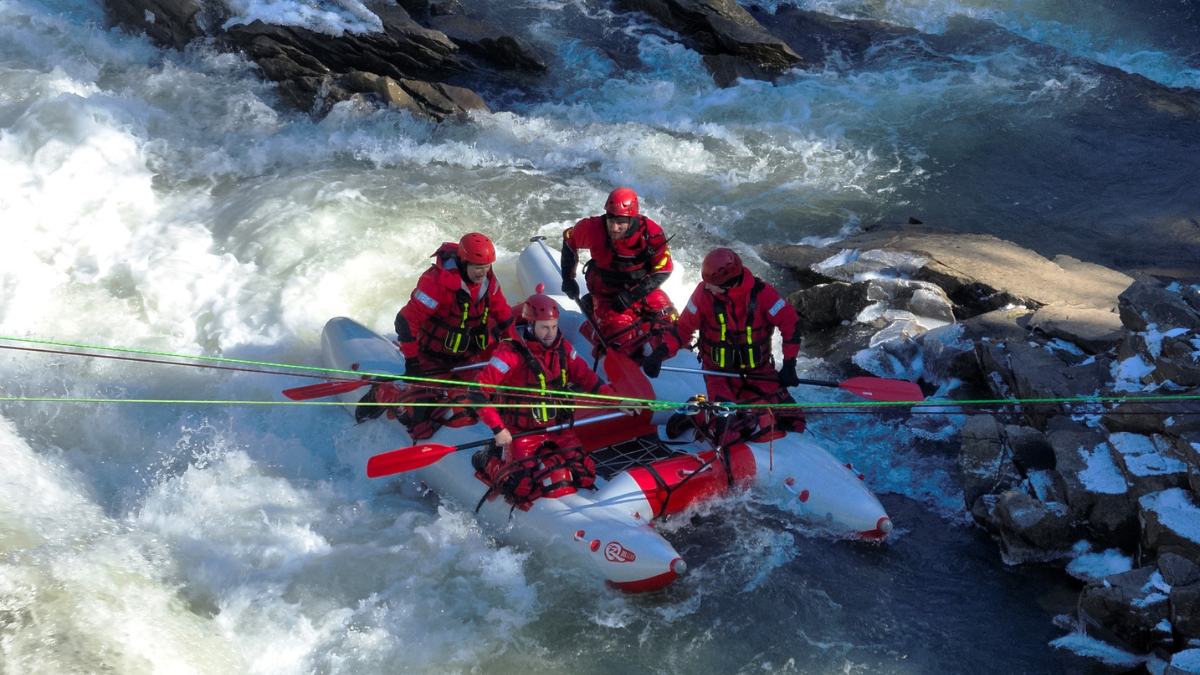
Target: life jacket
732 347
464 326
421 410
622 267
534 411
541 466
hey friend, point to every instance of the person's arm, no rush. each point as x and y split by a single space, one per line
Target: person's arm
492 374
502 313
782 315
569 261
423 302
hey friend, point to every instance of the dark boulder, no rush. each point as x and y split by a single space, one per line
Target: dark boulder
1171 523
723 27
1096 489
1142 304
1031 530
1133 605
488 43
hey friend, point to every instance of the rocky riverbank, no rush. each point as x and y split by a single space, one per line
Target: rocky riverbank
1110 490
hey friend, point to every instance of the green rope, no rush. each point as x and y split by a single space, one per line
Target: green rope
48 399
648 403
358 374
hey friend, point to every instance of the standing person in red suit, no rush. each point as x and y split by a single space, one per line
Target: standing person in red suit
736 315
630 261
537 357
455 316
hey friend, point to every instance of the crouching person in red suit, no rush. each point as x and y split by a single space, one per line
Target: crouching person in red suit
736 315
455 316
548 369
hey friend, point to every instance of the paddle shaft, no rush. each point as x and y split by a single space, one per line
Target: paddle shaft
418 456
748 376
557 427
578 303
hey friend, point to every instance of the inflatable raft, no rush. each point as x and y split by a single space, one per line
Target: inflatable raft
641 476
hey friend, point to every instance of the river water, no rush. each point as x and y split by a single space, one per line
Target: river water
161 201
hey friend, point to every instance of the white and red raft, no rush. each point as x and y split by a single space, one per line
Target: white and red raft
641 477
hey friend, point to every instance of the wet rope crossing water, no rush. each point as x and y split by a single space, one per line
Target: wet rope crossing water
1183 404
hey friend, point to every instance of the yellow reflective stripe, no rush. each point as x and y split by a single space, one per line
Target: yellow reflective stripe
545 414
666 259
749 343
721 319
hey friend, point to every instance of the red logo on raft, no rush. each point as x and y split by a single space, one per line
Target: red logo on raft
614 552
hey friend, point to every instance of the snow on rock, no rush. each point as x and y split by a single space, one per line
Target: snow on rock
1171 522
1093 566
1146 466
1095 649
1186 662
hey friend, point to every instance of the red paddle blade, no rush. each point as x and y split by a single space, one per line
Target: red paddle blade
406 459
880 389
626 377
323 389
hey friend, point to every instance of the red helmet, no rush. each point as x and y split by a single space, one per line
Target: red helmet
721 266
476 249
539 307
622 202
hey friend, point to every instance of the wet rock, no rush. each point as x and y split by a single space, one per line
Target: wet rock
1097 331
819 37
170 23
1133 605
1171 523
1149 464
1177 570
829 305
1181 418
1188 446
800 261
1031 530
982 273
445 8
315 71
947 355
1137 417
1179 371
722 27
434 100
1191 295
1142 304
983 461
1047 486
1032 372
488 43
1030 448
1096 488
925 303
1185 611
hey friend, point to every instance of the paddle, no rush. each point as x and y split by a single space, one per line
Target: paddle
407 459
578 302
322 389
874 388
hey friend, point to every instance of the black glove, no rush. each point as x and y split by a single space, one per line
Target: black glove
411 366
570 288
652 364
787 374
623 301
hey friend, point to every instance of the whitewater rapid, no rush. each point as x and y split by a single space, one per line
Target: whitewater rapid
166 201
